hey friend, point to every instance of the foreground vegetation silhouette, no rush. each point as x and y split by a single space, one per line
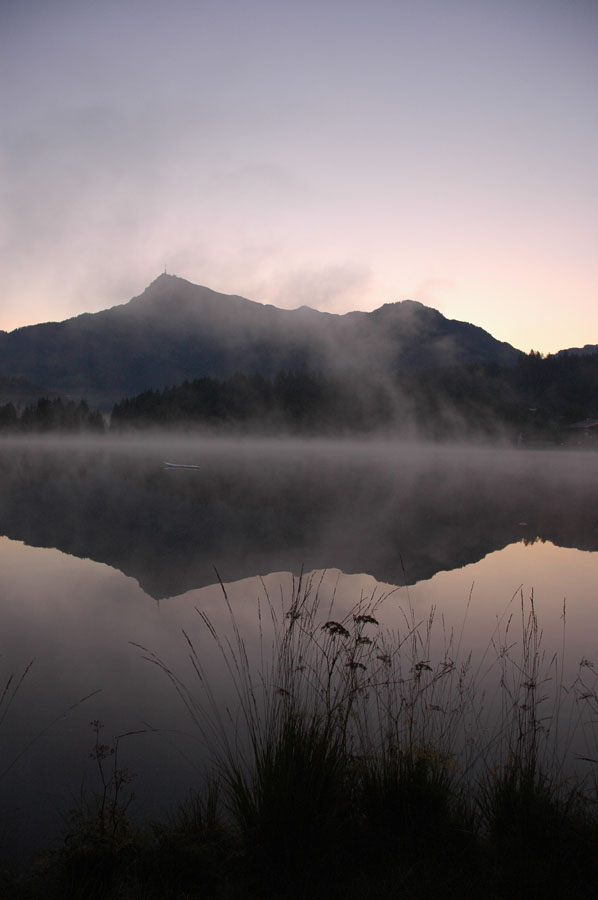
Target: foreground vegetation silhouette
353 763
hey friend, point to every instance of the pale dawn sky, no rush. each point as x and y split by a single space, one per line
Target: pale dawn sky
337 154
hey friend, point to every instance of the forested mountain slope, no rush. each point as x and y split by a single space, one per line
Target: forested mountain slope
176 330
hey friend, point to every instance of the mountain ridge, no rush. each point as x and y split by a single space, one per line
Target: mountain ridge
176 330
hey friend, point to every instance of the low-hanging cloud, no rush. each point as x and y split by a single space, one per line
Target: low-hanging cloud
102 199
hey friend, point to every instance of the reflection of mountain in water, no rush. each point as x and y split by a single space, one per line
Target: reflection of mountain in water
400 514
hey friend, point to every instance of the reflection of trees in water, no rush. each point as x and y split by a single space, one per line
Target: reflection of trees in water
400 515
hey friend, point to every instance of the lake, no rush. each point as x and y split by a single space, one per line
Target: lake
104 551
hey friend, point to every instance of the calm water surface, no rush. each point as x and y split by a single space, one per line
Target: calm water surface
103 548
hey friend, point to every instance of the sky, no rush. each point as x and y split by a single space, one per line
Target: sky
336 154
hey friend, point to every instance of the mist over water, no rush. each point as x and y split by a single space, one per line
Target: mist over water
103 545
399 512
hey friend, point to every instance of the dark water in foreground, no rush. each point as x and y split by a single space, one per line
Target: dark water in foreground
103 546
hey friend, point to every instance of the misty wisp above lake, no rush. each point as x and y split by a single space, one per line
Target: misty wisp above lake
95 532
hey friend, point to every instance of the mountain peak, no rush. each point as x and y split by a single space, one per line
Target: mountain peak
412 303
164 279
406 308
176 331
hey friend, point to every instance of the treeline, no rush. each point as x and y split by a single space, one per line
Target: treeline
51 414
302 400
537 399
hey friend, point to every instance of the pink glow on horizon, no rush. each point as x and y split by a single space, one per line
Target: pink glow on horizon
337 157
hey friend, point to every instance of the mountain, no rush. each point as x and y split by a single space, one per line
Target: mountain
176 330
20 392
361 511
579 351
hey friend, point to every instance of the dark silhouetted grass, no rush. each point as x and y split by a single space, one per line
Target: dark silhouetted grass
358 762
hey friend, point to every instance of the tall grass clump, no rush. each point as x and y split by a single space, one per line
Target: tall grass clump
538 817
342 739
283 753
356 760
